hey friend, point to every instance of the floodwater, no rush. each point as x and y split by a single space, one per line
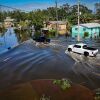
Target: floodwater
30 60
8 40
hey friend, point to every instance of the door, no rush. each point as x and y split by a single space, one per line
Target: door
77 49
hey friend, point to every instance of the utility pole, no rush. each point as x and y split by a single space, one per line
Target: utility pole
78 37
56 18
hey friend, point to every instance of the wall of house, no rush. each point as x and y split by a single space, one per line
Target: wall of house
75 31
61 28
94 32
99 32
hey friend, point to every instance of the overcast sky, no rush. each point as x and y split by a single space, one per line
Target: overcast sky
29 5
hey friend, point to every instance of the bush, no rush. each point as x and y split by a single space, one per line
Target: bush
52 33
37 34
63 84
86 34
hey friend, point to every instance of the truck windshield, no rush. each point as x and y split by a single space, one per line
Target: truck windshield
85 46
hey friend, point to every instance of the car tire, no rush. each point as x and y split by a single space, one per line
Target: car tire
69 49
86 54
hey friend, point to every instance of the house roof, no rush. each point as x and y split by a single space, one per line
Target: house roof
8 19
90 25
44 28
59 22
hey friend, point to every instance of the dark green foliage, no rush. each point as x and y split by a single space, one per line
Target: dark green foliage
86 34
97 7
23 34
37 34
52 33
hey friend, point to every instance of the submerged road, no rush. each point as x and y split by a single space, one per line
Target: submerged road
30 61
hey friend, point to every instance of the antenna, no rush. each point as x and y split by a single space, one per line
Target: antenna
12 8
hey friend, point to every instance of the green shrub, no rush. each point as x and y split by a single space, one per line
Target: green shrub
63 84
37 34
52 33
86 34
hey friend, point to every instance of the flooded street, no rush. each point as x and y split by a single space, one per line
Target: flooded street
49 50
30 60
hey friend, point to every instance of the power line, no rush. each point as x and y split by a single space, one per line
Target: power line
12 8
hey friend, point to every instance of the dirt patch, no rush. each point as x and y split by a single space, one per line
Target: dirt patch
39 89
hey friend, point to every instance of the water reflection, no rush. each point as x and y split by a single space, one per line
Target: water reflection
8 40
13 37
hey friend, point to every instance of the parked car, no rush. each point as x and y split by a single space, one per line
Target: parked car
82 48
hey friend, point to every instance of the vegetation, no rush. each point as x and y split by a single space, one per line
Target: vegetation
52 33
63 84
97 7
2 30
66 12
86 34
23 34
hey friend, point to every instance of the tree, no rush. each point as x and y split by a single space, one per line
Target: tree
97 7
86 14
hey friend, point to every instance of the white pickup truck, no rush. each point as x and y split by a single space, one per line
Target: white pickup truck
82 48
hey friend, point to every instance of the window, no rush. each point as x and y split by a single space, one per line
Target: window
84 29
85 46
91 29
76 28
77 46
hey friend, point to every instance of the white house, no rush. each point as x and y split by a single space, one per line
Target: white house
8 22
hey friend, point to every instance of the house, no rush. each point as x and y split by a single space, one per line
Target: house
8 22
93 30
60 24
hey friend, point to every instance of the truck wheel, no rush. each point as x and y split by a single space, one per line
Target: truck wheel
86 54
69 49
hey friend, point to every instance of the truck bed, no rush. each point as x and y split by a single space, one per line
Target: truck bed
90 48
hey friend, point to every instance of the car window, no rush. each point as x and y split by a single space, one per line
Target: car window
85 46
77 46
